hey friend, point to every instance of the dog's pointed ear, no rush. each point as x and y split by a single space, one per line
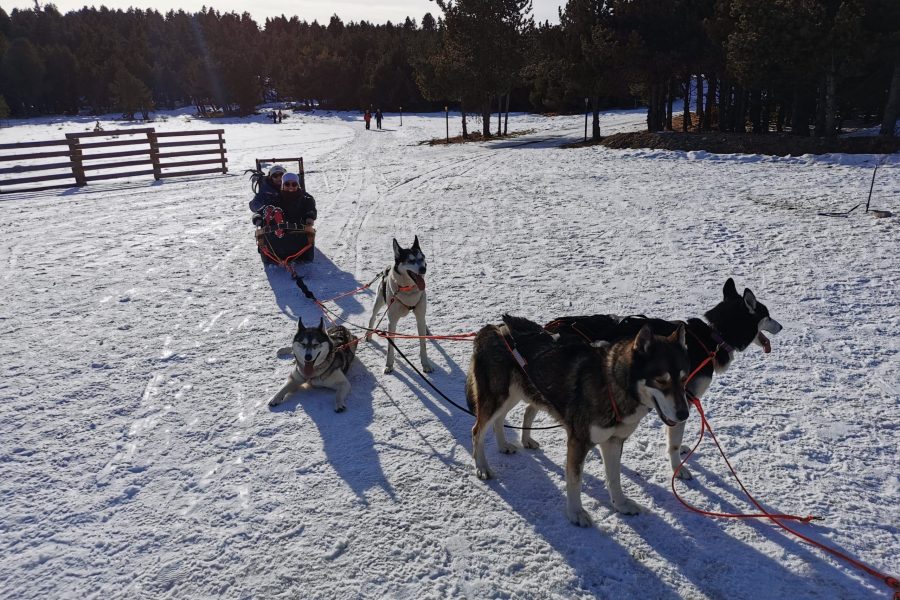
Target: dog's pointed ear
750 300
730 290
321 324
415 245
300 324
642 340
396 249
679 335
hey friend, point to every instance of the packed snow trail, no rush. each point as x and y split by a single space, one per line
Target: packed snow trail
139 458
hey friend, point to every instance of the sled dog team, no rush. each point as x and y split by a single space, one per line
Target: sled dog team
597 375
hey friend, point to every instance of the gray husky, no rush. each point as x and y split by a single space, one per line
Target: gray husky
403 291
321 359
599 394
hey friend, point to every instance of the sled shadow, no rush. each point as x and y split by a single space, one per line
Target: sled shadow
346 437
325 280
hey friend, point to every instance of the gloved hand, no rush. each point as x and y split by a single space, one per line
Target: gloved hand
258 219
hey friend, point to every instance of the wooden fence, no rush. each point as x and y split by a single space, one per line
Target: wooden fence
145 152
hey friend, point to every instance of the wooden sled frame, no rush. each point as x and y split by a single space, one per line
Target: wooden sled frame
264 162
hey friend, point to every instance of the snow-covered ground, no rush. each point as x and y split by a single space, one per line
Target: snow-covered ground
138 457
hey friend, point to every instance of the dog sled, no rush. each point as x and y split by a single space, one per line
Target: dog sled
279 240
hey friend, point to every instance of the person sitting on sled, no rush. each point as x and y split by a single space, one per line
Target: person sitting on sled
292 205
269 188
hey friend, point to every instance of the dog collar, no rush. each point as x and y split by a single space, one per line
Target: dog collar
719 340
408 288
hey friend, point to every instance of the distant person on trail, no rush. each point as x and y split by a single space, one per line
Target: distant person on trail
280 115
368 118
274 117
269 188
97 127
378 117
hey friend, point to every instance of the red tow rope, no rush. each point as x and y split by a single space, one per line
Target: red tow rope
888 580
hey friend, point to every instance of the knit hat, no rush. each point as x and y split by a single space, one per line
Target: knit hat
287 177
275 169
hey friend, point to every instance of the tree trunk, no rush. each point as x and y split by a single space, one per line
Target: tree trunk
782 114
670 99
465 127
486 117
686 118
651 109
766 116
738 115
710 100
755 110
892 108
506 118
700 120
595 128
830 103
800 115
499 114
724 104
819 129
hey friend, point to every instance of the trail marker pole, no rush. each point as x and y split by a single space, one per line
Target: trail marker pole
872 185
447 120
401 116
585 118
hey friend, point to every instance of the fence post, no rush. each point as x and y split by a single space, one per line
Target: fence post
76 158
222 151
154 154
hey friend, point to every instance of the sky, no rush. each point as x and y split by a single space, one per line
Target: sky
321 10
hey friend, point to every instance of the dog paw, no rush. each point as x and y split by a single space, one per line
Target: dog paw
530 444
339 409
685 449
275 401
483 473
684 474
579 517
627 507
388 370
369 337
508 449
426 366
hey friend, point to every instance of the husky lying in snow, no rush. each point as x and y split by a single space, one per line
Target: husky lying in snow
403 291
599 394
733 324
321 359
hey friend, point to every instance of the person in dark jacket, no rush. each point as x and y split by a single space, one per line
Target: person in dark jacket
269 188
296 205
378 117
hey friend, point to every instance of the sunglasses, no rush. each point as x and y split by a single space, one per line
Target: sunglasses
290 185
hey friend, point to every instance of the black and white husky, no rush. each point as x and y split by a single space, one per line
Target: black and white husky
598 393
321 359
402 290
733 324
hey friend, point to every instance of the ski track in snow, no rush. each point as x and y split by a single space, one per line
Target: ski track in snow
138 457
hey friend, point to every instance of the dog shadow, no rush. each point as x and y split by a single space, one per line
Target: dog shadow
598 560
347 440
699 546
346 437
822 571
324 279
